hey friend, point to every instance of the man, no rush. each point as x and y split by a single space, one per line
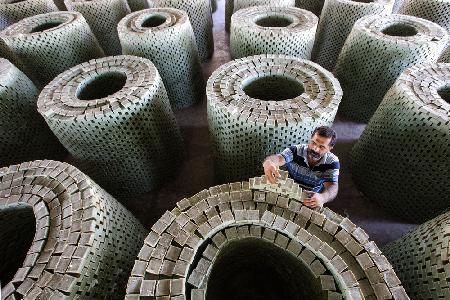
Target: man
311 165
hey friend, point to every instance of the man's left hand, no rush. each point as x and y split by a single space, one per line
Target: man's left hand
315 200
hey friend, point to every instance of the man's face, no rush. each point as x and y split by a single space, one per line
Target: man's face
318 147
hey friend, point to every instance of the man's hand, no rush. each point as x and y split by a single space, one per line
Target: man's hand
271 171
314 200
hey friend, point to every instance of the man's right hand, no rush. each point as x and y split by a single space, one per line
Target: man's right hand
271 171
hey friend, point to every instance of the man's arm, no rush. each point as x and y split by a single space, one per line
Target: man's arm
271 165
328 194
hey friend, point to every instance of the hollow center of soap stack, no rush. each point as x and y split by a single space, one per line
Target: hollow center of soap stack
15 1
18 226
445 93
102 85
153 20
256 269
363 1
273 87
400 29
45 26
274 21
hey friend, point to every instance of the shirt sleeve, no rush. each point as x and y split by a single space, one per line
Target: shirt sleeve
332 174
288 153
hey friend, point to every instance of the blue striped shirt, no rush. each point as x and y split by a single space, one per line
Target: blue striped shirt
326 170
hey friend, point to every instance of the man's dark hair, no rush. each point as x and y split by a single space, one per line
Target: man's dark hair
326 132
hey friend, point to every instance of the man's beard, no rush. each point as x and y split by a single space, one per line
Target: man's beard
314 155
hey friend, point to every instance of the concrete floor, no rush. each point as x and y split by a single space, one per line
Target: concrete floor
197 171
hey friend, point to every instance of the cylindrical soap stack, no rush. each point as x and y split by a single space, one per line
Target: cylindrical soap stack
209 240
165 36
376 53
103 17
272 30
421 259
232 6
25 135
12 11
260 104
199 12
336 22
314 6
84 240
51 43
437 11
114 117
401 159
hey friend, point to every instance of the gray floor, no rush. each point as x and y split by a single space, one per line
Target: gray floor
197 171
